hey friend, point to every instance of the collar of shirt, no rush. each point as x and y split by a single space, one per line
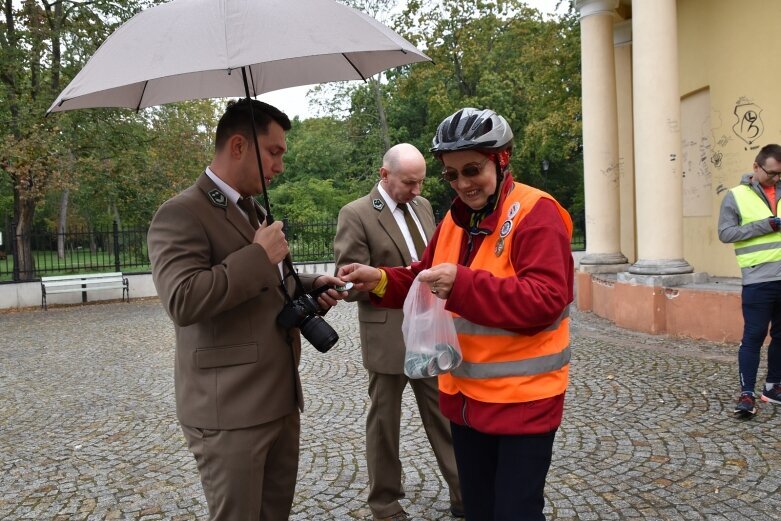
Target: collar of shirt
392 205
229 192
399 217
234 196
224 187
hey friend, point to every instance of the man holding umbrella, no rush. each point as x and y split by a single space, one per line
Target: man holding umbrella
237 386
219 275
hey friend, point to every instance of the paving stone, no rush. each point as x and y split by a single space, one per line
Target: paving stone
88 428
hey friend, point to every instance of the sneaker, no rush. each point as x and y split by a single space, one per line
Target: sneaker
746 406
772 395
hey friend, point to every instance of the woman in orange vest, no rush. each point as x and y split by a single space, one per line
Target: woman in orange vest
501 260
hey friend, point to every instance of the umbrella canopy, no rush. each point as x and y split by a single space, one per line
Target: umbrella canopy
194 49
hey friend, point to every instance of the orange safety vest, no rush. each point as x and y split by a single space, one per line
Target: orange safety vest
500 366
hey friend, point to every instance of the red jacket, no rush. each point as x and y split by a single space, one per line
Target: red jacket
526 304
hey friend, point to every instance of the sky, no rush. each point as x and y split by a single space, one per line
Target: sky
293 101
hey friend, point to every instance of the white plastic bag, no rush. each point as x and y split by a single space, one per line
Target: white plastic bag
429 334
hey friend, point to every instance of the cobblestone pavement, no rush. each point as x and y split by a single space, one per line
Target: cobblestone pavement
88 431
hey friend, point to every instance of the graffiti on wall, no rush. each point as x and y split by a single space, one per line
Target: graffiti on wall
748 125
696 154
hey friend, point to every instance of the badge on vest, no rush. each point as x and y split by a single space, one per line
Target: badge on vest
499 246
218 198
506 227
504 232
513 210
378 204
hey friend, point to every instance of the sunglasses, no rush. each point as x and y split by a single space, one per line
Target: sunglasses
771 174
450 174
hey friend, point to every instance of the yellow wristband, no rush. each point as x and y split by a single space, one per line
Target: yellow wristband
379 289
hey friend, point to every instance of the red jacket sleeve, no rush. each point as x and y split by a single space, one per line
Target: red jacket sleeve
530 301
400 278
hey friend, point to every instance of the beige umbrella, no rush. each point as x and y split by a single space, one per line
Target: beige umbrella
193 49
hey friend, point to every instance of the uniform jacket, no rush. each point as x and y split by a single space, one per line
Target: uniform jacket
234 367
732 229
368 233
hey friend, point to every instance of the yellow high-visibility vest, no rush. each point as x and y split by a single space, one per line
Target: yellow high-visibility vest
761 249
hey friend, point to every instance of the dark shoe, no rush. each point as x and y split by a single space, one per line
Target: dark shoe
457 511
398 516
746 406
772 395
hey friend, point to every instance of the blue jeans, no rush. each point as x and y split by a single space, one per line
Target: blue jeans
761 309
502 476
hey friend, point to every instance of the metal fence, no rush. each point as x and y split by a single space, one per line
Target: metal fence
125 250
84 251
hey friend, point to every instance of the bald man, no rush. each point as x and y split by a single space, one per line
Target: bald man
391 227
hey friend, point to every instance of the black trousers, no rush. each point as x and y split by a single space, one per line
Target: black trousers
761 308
502 476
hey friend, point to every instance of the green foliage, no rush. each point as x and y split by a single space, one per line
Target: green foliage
318 148
308 200
497 54
115 163
505 56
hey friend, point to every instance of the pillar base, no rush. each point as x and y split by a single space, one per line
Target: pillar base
661 267
603 268
665 281
602 259
690 305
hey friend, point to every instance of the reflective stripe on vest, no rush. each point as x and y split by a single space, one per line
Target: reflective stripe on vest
528 367
500 366
468 328
757 250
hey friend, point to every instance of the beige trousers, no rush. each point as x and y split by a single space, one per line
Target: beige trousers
248 474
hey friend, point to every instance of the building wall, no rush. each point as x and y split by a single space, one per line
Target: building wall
727 60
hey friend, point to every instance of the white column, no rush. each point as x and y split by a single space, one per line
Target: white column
622 40
600 136
657 108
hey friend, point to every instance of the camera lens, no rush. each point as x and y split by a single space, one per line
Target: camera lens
319 333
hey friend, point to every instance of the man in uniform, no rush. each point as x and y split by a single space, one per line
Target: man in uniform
219 276
390 227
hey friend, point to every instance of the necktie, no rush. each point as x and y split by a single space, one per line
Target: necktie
417 240
248 205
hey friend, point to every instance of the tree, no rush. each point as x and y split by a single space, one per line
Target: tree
93 167
104 165
41 43
505 56
319 174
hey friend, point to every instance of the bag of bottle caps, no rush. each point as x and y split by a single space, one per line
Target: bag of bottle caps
429 334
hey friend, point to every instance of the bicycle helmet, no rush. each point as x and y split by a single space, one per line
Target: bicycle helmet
470 129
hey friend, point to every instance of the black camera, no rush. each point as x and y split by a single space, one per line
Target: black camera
304 313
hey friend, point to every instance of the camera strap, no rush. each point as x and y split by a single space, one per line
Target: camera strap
291 272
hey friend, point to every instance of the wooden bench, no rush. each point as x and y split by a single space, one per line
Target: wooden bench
83 283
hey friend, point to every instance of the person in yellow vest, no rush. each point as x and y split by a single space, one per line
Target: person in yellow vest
502 262
749 220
